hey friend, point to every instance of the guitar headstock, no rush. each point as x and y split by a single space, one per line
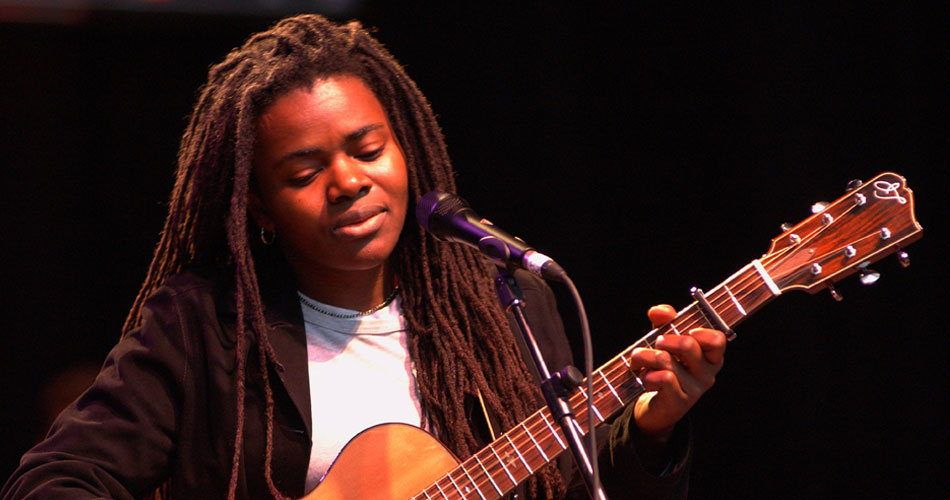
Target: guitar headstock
870 222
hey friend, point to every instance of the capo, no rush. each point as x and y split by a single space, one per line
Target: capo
712 317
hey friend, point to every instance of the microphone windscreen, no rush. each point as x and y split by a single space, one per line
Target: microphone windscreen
434 207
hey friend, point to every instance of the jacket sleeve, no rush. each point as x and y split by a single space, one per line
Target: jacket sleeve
622 473
115 440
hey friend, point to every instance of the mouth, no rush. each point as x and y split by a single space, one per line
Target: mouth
359 221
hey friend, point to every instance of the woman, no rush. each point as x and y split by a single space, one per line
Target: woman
289 296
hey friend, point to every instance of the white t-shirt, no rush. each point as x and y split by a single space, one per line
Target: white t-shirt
360 376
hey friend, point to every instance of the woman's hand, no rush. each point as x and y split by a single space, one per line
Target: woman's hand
677 371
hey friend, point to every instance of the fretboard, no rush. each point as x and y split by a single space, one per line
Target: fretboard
516 455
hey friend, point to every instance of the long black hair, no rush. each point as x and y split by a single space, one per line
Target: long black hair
458 334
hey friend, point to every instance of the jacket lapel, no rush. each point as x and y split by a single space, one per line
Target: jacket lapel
289 340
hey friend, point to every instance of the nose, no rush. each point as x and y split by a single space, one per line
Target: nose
348 180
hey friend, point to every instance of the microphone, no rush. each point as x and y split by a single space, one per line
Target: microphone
449 218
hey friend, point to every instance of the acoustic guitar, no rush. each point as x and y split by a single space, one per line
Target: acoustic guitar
398 461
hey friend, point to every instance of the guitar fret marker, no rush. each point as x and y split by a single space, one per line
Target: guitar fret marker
553 432
612 391
536 445
488 475
734 301
526 466
502 462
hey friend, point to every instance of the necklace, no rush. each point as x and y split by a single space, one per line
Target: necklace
367 312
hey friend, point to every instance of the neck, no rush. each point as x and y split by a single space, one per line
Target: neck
357 290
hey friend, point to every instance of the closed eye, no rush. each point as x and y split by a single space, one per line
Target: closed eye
306 178
370 156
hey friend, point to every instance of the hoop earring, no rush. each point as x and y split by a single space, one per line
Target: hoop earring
268 237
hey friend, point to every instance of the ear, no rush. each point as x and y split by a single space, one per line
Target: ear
258 211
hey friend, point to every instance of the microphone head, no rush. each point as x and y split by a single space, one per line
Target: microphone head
434 208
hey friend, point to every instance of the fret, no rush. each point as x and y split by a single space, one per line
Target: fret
625 361
456 485
734 301
673 327
612 391
577 425
755 287
505 468
766 278
474 484
526 466
553 432
592 405
536 445
727 304
488 475
441 491
744 292
636 378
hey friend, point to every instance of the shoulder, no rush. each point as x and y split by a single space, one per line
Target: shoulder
189 305
189 289
191 282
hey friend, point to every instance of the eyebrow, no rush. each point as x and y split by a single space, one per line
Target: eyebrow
351 137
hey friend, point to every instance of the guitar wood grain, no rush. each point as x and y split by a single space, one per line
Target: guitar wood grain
385 462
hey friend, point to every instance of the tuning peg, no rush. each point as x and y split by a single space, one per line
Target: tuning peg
869 277
854 184
903 258
785 227
819 207
834 293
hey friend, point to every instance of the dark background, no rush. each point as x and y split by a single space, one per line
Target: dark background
648 149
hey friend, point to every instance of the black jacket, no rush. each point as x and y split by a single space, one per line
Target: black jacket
163 407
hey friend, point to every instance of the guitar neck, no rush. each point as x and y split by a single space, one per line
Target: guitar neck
870 221
516 455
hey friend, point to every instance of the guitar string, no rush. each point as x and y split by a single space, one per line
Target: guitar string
741 291
609 375
779 257
522 438
718 298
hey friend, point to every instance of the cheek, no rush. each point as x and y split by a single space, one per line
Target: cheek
295 213
401 181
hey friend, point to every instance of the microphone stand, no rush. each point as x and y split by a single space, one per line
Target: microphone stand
555 388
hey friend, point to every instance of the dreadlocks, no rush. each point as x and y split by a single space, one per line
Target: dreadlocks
458 334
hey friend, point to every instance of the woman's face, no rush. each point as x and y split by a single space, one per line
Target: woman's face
331 178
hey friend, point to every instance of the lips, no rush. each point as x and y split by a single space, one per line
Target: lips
359 221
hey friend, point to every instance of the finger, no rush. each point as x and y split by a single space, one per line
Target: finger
711 342
650 359
686 350
667 384
661 314
658 370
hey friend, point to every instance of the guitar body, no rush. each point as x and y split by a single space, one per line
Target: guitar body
386 462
